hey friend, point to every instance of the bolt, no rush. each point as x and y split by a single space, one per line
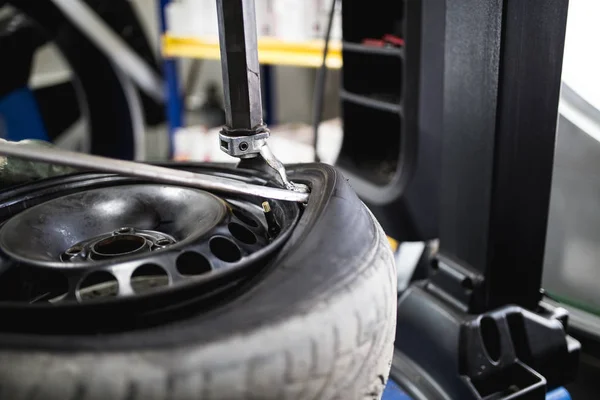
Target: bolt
243 146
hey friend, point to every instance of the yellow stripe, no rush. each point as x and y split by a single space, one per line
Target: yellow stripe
270 51
393 243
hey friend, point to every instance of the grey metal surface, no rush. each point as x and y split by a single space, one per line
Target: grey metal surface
243 146
84 219
572 257
127 239
151 172
14 171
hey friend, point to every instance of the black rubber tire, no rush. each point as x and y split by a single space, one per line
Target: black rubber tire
317 323
110 113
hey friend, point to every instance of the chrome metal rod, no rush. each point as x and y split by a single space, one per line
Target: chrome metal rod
151 172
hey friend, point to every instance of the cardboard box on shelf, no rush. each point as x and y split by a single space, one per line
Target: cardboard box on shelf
287 20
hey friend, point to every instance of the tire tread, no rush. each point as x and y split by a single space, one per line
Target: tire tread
344 350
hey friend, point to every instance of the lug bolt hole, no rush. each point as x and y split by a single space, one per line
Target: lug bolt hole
97 285
73 251
191 263
243 146
148 277
245 218
242 233
163 242
224 249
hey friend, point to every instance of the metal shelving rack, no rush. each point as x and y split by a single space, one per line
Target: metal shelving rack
372 86
392 109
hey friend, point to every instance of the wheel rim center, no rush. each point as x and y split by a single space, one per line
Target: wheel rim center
124 241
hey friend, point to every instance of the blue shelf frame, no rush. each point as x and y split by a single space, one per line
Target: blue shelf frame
174 98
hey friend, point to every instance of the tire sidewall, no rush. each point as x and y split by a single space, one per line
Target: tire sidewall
321 317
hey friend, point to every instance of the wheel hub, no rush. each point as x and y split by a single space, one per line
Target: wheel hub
131 242
110 223
125 241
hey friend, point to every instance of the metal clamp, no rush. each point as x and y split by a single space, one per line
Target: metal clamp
247 146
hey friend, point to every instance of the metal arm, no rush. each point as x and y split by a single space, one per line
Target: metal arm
146 171
245 135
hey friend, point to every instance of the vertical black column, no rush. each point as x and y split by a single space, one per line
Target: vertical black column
503 61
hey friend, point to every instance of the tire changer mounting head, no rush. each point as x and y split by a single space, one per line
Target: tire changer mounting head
245 134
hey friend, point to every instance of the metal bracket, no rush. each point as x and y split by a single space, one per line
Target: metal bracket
242 146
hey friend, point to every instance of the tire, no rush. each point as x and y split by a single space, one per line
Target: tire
115 111
317 323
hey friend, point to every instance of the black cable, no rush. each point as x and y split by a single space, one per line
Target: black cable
319 92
